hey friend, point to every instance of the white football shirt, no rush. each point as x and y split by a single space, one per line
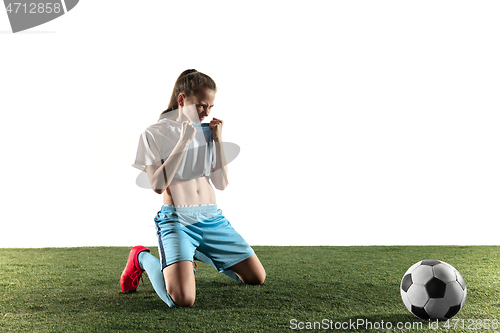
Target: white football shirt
158 140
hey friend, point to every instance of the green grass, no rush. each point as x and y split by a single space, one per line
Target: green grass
77 290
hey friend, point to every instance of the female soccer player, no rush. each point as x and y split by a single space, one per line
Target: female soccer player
180 155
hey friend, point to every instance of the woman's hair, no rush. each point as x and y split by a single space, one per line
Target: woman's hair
189 82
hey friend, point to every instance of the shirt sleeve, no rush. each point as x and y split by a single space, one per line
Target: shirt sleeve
148 152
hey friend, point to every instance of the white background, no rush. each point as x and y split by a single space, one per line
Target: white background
359 122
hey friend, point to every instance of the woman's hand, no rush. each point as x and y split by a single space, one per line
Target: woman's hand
216 127
188 132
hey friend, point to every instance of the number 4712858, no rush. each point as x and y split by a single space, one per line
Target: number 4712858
472 324
34 8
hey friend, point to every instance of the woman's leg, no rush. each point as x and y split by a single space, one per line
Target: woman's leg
177 243
152 266
250 271
180 283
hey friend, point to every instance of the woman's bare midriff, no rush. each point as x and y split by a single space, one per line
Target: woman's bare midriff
189 192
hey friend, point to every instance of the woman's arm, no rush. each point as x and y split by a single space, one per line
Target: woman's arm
160 177
218 176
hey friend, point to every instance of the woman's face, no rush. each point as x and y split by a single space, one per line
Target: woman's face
204 101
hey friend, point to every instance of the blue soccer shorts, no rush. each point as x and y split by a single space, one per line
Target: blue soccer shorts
184 232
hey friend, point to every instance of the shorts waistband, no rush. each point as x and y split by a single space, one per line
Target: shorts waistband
189 210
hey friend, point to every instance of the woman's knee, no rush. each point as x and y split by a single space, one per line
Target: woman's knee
257 278
250 271
182 298
262 277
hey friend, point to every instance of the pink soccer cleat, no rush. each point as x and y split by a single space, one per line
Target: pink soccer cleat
132 272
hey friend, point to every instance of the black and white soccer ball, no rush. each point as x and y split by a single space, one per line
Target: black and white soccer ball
433 289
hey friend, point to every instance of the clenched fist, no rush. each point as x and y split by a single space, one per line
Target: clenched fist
216 127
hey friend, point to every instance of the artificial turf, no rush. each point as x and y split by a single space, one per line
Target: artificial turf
77 290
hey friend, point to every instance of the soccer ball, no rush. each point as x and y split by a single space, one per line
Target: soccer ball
433 289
